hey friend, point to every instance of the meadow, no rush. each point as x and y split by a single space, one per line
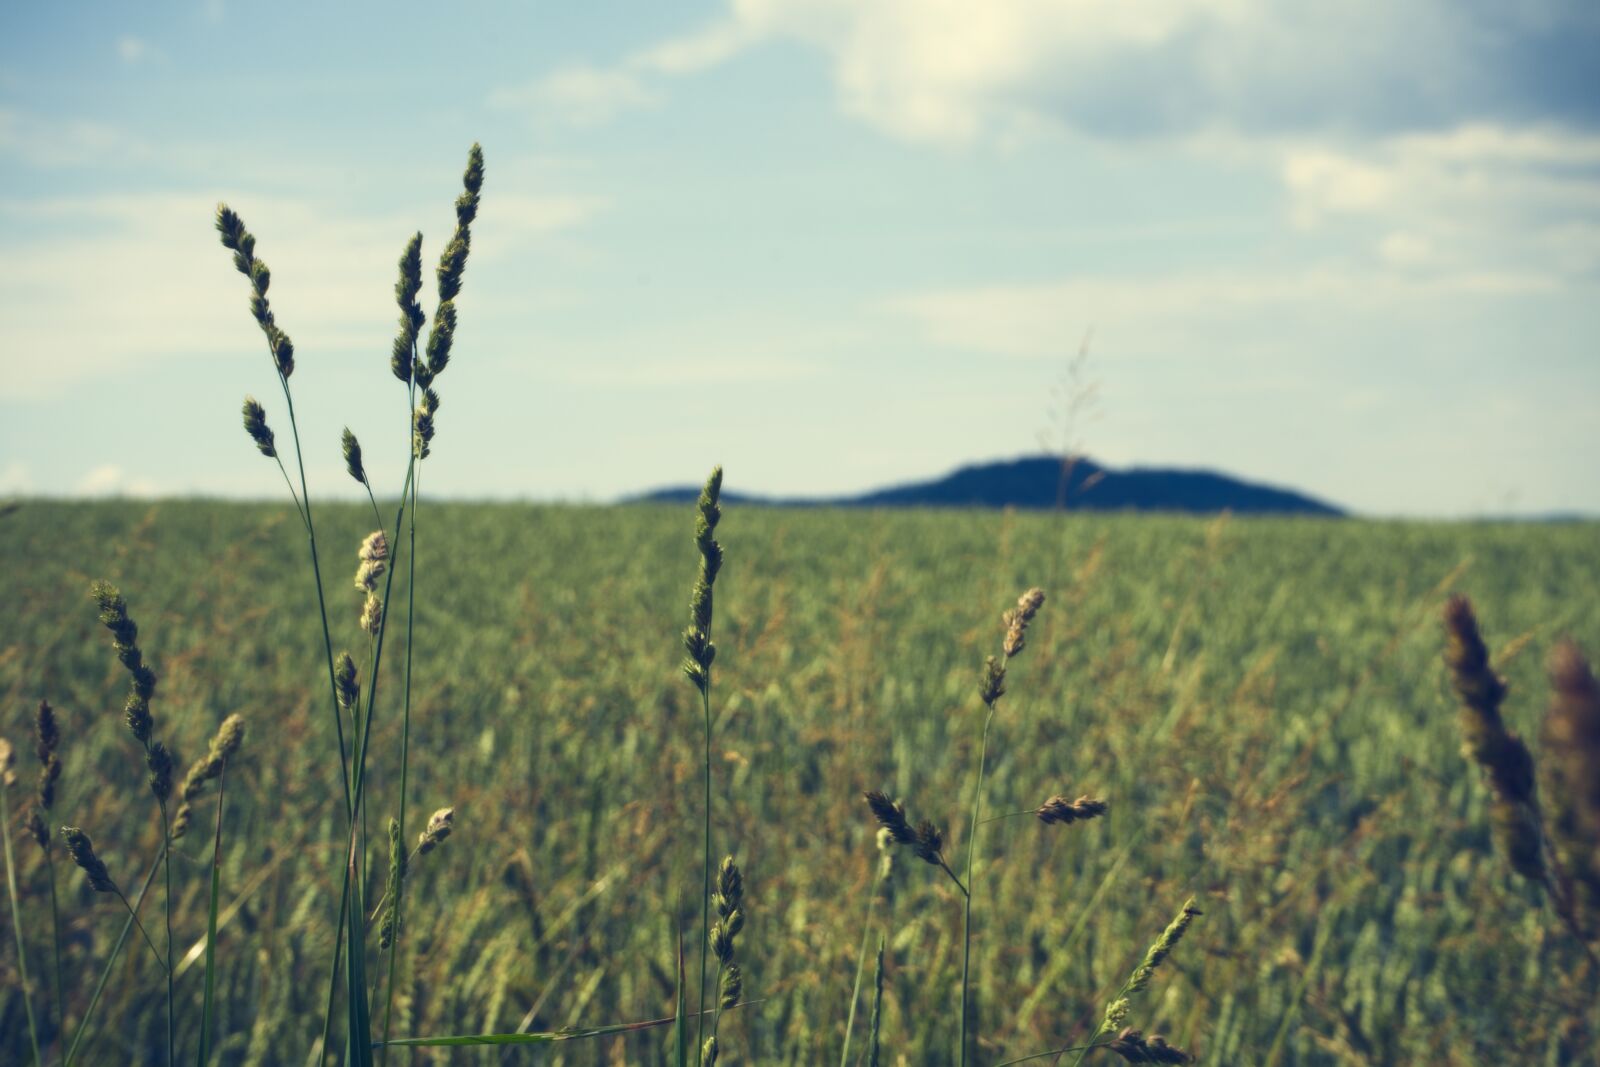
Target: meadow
1261 702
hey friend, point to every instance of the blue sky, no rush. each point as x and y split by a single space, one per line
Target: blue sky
1352 247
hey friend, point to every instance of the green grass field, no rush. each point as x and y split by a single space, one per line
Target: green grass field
1261 702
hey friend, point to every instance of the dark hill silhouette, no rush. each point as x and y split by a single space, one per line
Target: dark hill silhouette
1035 482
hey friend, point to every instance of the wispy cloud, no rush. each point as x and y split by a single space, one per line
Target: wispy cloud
133 50
131 279
584 94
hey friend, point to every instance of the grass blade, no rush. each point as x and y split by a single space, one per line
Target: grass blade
211 926
16 914
116 950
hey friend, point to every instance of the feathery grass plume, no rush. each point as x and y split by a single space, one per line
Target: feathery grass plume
352 456
1514 807
388 925
255 424
411 314
47 738
1134 1047
81 848
230 735
1572 746
239 241
1059 809
440 824
452 261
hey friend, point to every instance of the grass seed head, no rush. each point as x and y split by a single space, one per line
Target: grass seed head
255 424
403 353
708 1052
440 824
81 849
352 456
730 987
1514 812
1134 1047
159 759
1018 618
993 684
1572 745
345 683
1059 809
238 240
697 638
8 759
1162 948
47 738
372 614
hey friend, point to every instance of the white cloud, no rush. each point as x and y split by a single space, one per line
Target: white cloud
16 479
579 94
121 281
135 49
108 479
1525 199
584 94
66 142
1166 313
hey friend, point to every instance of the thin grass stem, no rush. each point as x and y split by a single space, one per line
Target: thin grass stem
116 950
211 926
405 743
16 923
705 887
966 911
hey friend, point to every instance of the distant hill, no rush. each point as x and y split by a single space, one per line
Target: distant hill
1035 482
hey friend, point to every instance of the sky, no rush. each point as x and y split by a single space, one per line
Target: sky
1349 247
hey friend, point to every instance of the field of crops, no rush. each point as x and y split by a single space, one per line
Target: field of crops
1261 702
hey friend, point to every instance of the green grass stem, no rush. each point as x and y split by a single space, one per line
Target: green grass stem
16 923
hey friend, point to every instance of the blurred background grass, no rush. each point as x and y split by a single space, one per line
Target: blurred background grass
1261 701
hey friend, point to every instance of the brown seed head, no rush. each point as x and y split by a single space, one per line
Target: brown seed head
1134 1047
81 849
1059 809
1018 618
440 824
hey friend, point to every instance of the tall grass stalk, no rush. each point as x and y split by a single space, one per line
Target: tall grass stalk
7 777
697 667
991 689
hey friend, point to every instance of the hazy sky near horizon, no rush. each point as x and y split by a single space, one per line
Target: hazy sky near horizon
1351 247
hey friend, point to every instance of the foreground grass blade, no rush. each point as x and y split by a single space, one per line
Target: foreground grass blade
16 914
211 927
116 950
680 1031
877 1009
